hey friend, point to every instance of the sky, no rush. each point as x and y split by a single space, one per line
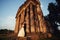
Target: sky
9 8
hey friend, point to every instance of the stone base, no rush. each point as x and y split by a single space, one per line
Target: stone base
21 38
34 36
31 36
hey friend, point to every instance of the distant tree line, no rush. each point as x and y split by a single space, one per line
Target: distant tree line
5 31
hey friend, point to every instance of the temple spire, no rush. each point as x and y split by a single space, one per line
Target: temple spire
30 20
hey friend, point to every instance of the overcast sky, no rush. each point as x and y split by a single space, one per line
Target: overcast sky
8 10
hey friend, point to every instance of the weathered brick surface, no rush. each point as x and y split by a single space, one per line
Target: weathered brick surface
30 17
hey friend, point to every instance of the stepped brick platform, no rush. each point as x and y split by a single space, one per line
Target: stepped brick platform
32 36
29 37
21 38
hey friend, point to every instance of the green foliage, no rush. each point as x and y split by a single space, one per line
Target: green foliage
54 17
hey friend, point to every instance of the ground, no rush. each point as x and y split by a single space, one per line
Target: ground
10 35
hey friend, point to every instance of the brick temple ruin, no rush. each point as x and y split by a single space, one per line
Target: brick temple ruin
30 20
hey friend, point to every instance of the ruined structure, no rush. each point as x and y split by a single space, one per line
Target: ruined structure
30 17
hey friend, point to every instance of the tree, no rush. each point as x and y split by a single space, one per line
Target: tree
54 16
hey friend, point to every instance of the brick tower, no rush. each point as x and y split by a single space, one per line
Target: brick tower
30 17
